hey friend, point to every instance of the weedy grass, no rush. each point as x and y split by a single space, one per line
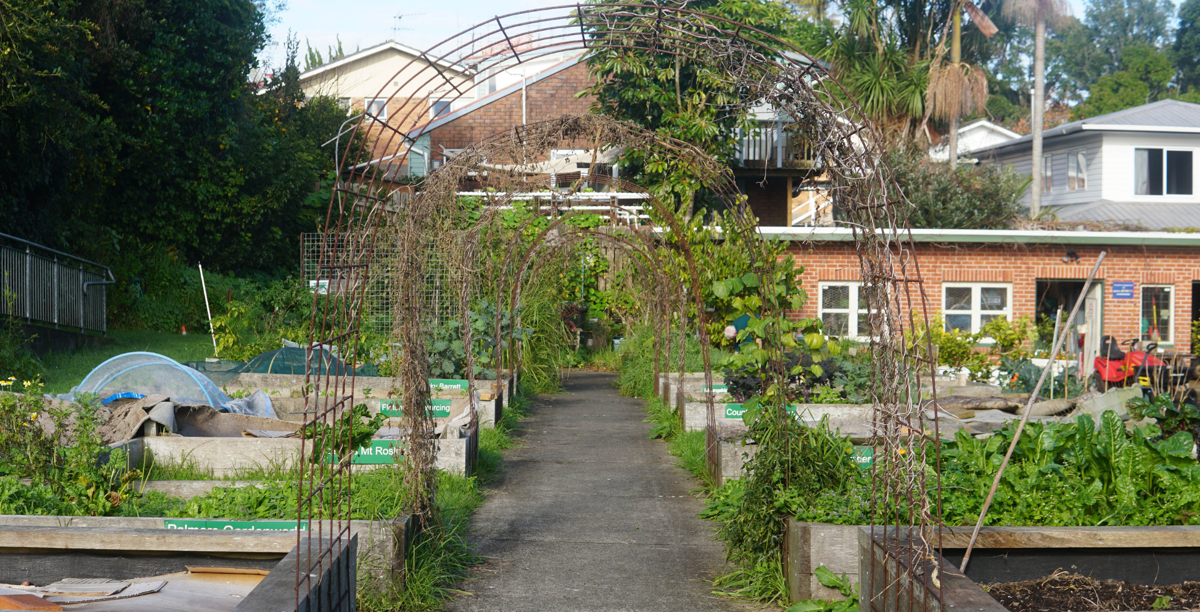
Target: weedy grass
65 370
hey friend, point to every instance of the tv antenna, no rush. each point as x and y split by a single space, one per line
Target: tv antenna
396 24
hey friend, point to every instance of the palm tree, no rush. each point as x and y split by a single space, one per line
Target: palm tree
1037 13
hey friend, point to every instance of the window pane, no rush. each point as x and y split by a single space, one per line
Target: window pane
962 322
1148 171
958 298
1179 172
1081 180
1156 314
864 324
1072 171
835 296
1047 174
993 298
836 323
985 319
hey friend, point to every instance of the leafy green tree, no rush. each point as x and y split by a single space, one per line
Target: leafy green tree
1116 24
1187 45
886 77
671 90
1145 76
131 126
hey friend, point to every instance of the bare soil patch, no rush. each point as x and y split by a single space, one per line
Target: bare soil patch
1063 591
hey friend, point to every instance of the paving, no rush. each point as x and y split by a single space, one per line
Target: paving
590 515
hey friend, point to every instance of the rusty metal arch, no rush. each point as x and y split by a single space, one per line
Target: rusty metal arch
767 71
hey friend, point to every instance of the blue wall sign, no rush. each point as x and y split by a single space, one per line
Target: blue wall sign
1123 290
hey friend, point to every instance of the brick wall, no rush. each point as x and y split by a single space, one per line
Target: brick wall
551 97
1023 266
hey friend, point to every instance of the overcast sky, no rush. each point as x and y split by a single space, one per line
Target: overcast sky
365 23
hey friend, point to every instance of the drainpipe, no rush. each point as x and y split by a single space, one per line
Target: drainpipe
523 108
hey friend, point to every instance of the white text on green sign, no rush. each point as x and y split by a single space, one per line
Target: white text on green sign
735 411
438 408
218 525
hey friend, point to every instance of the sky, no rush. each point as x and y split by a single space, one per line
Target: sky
365 23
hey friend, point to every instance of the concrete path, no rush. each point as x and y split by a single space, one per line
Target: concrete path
592 516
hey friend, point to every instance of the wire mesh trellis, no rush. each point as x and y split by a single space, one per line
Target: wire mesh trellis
437 292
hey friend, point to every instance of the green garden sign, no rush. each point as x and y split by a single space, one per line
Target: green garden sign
438 408
443 384
735 411
219 525
864 456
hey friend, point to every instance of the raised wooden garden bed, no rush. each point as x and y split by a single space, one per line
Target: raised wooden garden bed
1144 555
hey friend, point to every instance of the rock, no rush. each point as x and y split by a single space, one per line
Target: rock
1049 407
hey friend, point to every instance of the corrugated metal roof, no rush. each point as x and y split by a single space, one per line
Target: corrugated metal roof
1158 215
846 234
1163 115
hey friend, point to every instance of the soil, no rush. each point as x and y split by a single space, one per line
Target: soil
1064 591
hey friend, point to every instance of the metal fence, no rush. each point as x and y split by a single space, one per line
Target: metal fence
45 286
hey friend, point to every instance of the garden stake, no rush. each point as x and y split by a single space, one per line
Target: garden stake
211 332
1058 342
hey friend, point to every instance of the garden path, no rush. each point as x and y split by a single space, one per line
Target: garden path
590 515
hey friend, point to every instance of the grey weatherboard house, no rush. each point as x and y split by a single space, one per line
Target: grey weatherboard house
1132 166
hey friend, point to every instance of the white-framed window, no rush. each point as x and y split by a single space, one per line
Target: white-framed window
1162 172
1158 310
376 107
969 306
1047 173
1077 171
439 108
843 310
344 103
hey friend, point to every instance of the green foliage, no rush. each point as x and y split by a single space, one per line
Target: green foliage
133 130
1172 416
671 90
971 197
263 319
848 589
1020 375
448 355
1187 45
353 430
58 448
956 348
1073 474
16 361
1144 76
883 75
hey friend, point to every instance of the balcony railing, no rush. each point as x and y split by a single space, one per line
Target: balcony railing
51 287
770 145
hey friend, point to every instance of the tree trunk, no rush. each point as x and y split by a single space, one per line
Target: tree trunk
1039 108
955 58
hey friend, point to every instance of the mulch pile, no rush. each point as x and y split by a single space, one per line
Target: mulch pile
1063 591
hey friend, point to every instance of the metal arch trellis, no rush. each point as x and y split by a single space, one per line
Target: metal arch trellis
764 70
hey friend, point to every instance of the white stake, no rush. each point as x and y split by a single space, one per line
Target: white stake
208 310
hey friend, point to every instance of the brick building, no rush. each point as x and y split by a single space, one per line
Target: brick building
549 93
1147 287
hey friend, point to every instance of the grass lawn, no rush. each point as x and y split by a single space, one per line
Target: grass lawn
65 370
